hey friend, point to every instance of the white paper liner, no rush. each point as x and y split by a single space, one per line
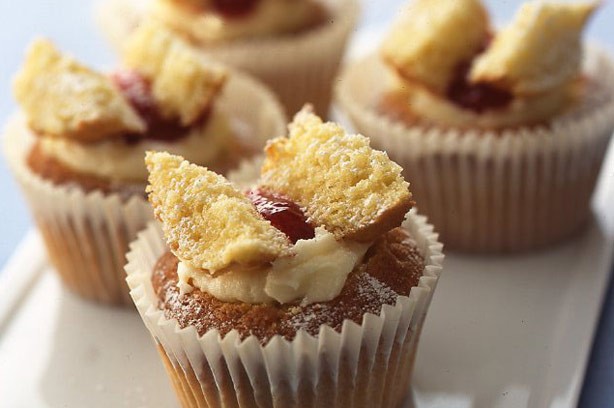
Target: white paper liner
489 191
87 234
298 68
365 365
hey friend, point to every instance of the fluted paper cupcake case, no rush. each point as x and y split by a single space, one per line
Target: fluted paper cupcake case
488 191
299 68
366 365
87 234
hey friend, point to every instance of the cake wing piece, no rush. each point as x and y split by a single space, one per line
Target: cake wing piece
206 221
434 37
62 98
539 51
183 82
355 192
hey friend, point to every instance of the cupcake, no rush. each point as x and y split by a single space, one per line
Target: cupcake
501 132
309 289
295 47
77 146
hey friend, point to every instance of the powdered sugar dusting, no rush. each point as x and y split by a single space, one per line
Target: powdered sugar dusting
390 269
374 289
368 295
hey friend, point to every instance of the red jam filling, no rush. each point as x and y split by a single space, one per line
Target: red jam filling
234 8
137 90
477 97
283 214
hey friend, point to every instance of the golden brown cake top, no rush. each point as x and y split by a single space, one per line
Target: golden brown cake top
63 98
457 72
168 85
354 191
323 198
391 267
540 50
433 36
206 220
183 82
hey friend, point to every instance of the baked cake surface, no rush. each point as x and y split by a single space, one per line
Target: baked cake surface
391 267
316 240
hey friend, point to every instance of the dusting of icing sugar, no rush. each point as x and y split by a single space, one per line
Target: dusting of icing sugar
368 297
371 288
387 272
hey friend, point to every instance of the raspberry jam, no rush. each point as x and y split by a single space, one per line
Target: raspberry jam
137 90
478 97
234 8
283 214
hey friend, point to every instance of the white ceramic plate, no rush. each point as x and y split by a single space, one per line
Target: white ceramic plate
502 331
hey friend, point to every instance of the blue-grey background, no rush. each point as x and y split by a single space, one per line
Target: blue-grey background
70 24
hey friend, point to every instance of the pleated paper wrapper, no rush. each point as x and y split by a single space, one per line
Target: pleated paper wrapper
299 68
487 191
87 234
367 365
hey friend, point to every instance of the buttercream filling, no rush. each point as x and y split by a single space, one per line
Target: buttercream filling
475 107
526 111
117 160
316 272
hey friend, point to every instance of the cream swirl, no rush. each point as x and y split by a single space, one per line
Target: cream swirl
118 161
521 111
316 272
